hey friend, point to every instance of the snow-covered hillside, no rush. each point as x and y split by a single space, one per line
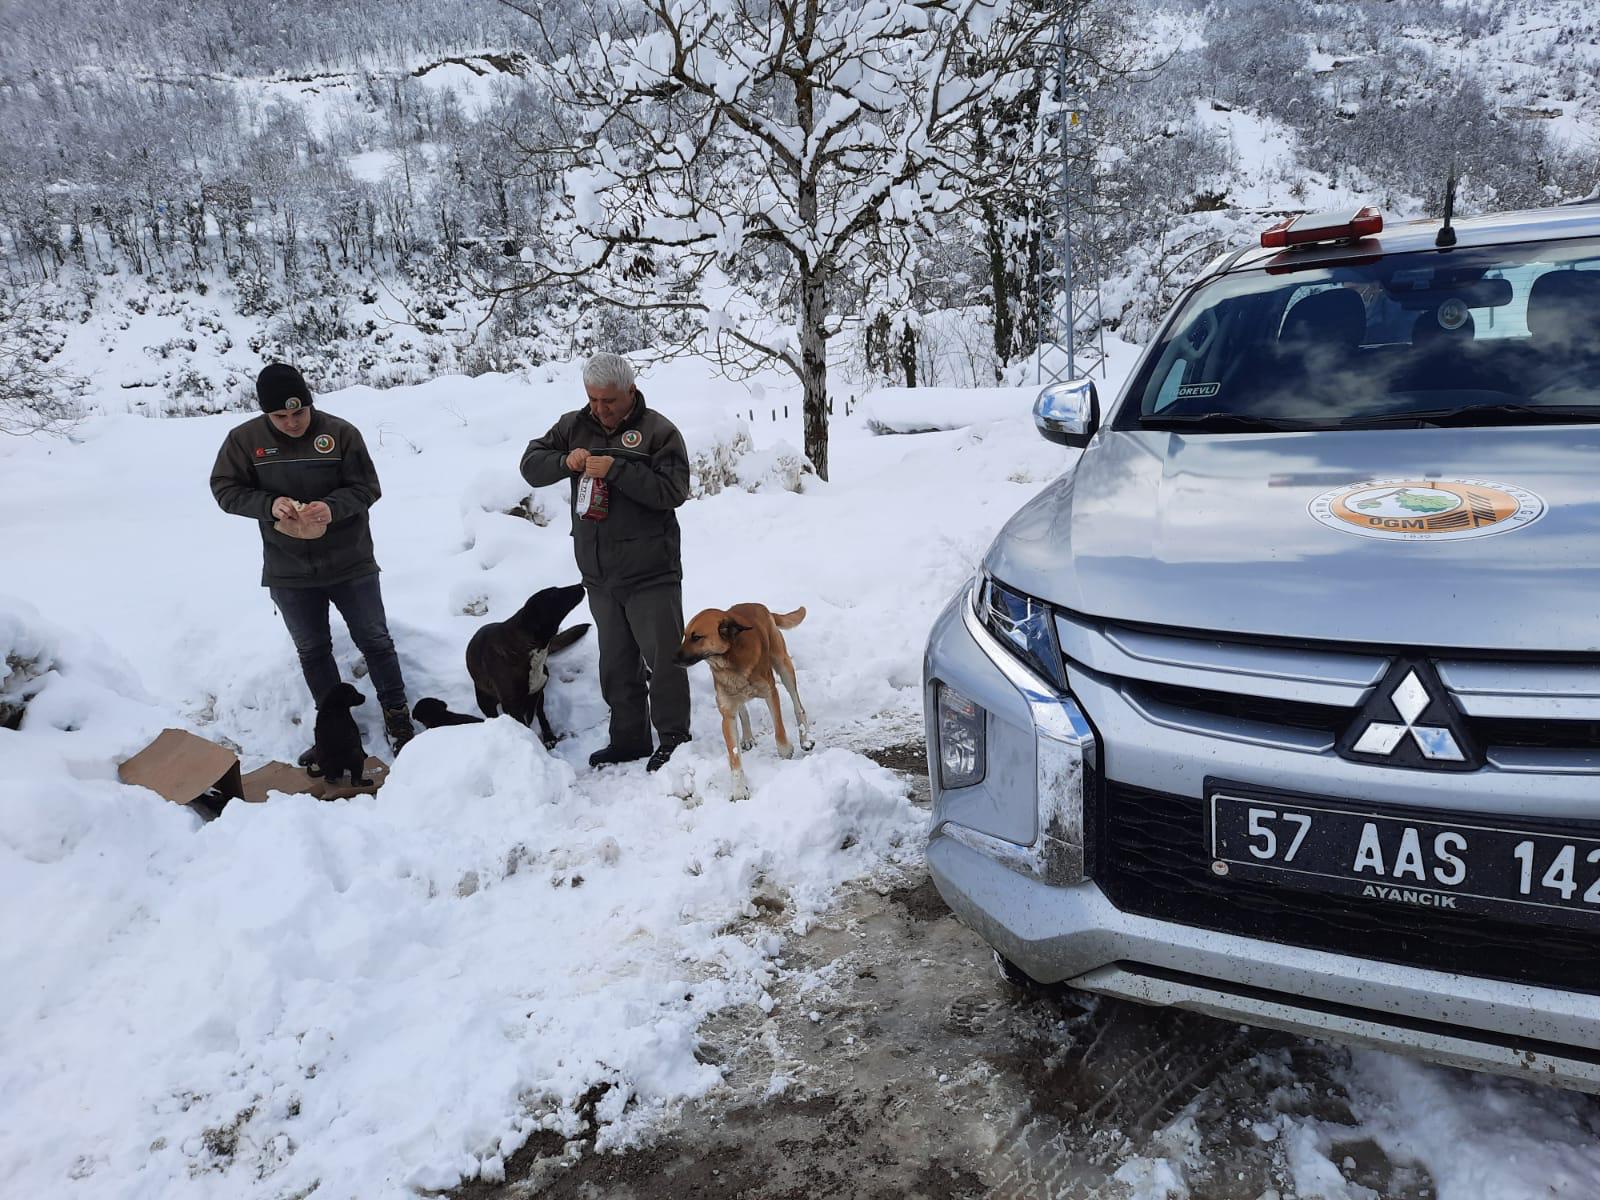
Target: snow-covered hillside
349 216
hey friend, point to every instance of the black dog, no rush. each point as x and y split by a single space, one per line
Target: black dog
431 713
339 749
506 659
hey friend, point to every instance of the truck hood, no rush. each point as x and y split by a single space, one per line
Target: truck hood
1255 534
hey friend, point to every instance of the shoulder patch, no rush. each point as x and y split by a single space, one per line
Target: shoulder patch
323 444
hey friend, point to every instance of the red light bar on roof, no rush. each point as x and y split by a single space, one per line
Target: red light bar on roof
1323 227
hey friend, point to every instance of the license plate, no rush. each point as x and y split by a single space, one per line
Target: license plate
1482 865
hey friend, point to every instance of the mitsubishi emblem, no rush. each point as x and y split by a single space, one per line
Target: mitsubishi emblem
1410 721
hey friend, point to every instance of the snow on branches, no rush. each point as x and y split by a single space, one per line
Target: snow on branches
738 159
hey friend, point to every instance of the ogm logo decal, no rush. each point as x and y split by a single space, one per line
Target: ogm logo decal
632 438
324 443
1431 510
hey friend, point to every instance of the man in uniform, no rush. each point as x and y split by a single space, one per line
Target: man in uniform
627 546
305 476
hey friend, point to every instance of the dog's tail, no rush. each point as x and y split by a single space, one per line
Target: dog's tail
567 637
789 620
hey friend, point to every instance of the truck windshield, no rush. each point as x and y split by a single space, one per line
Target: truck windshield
1503 335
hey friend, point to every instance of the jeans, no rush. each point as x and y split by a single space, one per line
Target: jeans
360 603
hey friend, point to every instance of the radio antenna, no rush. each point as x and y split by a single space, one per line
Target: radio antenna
1447 233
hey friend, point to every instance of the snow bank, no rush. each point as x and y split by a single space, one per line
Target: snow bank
392 992
924 410
78 700
1479 1136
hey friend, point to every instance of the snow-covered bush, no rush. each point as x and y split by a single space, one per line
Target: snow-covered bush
53 678
779 467
37 393
713 463
21 670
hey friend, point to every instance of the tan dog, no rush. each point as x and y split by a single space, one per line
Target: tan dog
743 647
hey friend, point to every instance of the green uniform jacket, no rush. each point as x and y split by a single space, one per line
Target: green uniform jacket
257 464
638 544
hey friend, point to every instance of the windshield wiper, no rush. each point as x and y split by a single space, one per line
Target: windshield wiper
1482 414
1226 422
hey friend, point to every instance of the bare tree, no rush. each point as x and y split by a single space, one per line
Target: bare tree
733 158
36 396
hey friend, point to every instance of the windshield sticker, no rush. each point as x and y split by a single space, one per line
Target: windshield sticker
1195 391
1427 510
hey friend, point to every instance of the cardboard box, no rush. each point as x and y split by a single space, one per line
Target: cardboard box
186 770
282 777
204 776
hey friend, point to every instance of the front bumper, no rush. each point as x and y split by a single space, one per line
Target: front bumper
1075 935
987 857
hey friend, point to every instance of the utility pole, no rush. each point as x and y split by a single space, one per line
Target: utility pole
1071 340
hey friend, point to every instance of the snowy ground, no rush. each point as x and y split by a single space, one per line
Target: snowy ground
912 1071
394 992
391 995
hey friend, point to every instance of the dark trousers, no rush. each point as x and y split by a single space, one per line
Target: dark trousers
640 633
360 603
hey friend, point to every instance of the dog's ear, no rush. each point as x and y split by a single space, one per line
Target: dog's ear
730 629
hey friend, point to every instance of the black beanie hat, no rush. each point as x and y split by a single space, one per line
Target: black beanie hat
280 387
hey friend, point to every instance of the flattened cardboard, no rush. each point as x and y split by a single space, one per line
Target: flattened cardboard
275 777
187 770
375 770
281 777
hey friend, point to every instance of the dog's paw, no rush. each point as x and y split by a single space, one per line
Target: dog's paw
786 750
747 744
550 743
741 787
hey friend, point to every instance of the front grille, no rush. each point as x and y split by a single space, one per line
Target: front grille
1542 710
1264 710
1535 735
1492 733
1151 861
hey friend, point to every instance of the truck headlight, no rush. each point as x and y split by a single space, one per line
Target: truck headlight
1024 626
961 744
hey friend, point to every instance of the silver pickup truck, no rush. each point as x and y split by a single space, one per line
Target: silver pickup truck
1283 702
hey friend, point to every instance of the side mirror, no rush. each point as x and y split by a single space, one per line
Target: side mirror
1068 412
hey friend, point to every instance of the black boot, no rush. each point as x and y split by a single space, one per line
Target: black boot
610 756
397 727
663 752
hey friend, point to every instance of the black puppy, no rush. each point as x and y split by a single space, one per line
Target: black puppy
431 713
339 749
506 659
